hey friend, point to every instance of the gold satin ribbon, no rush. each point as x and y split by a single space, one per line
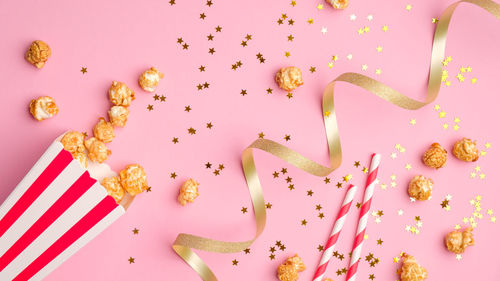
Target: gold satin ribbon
184 243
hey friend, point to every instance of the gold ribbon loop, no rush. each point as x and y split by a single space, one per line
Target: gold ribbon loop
184 243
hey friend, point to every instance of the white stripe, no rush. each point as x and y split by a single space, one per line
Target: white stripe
62 183
89 235
30 177
69 218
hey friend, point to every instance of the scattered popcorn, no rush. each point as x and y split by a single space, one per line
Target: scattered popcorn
466 150
114 188
133 179
149 79
118 115
420 188
289 270
435 156
73 142
120 94
411 270
43 108
456 241
104 131
38 53
98 152
188 192
339 4
289 78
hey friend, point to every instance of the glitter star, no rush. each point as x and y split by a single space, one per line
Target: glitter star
269 90
379 241
287 137
187 108
150 107
218 29
408 167
191 131
156 97
379 49
310 21
320 7
243 92
269 205
385 28
135 231
413 121
211 51
235 262
201 68
175 140
303 222
244 210
324 30
209 125
290 38
202 16
173 175
327 180
162 98
312 69
310 193
131 260
408 7
320 248
321 215
83 70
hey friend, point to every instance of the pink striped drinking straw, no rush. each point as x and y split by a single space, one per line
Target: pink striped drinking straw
363 218
339 222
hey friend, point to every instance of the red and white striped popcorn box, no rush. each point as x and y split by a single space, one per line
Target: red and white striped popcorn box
55 210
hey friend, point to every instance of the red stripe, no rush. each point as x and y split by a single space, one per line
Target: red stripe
344 210
365 208
371 177
100 211
77 189
60 162
321 269
332 240
358 239
352 270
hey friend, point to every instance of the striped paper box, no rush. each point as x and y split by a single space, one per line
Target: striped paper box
56 209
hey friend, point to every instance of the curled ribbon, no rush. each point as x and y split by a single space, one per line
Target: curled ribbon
185 243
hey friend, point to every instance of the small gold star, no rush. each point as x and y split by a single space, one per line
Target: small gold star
310 21
303 222
175 140
83 70
293 3
408 7
235 262
318 207
185 46
261 135
202 16
290 38
268 205
135 231
320 7
173 175
208 165
216 172
201 68
172 2
312 69
276 174
244 210
339 185
211 51
310 193
131 260
85 134
291 187
280 21
272 256
320 248
289 95
248 37
321 215
269 90
385 28
148 189
162 98
191 131
380 242
206 85
287 54
287 137
156 97
356 164
150 107
247 251
243 92
221 167
327 180
291 22
288 179
209 3
284 170
244 43
187 108
179 40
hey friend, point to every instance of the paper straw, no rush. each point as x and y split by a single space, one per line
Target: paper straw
363 218
339 222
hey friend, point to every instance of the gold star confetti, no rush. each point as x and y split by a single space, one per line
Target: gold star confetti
408 167
247 251
310 21
379 49
339 185
378 71
243 92
364 67
187 108
216 172
379 241
408 7
321 215
218 29
269 205
208 165
209 125
320 7
175 140
287 137
172 2
435 20
290 38
191 131
293 3
202 16
287 54
310 193
327 180
320 248
131 260
209 3
150 107
83 70
211 51
173 175
235 262
244 210
356 164
413 121
303 222
135 231
156 97
269 90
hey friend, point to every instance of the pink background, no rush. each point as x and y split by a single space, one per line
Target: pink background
117 40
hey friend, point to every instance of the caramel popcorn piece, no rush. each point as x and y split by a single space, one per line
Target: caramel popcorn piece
114 188
456 241
420 188
104 131
118 115
120 94
133 179
149 79
43 108
98 152
38 53
73 142
188 192
81 157
289 270
466 150
411 270
435 156
289 78
339 4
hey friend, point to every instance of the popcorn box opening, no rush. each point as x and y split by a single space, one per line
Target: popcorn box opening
56 209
